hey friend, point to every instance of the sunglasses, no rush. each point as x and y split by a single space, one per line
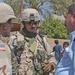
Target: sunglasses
32 23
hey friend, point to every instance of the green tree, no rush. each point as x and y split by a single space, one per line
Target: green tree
54 28
41 5
15 4
60 5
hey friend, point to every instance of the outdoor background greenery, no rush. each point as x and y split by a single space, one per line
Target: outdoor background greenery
53 28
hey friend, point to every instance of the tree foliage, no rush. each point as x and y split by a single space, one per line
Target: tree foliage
61 5
16 7
45 7
42 6
54 28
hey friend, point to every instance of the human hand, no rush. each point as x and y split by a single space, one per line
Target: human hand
49 66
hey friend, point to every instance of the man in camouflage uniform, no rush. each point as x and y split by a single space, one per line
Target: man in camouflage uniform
8 62
34 50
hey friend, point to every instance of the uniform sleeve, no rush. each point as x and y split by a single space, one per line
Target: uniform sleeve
13 42
47 46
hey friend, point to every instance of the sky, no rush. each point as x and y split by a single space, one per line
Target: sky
1 0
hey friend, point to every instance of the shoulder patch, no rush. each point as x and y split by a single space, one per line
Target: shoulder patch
2 47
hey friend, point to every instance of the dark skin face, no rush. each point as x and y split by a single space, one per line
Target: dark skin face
70 22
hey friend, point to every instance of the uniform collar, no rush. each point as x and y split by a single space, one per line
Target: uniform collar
1 38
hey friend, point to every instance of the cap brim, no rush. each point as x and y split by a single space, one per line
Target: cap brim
4 19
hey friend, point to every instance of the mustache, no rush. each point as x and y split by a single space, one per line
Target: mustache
36 27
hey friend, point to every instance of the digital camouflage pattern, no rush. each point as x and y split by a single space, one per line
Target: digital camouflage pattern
15 66
5 58
32 58
33 55
8 61
15 70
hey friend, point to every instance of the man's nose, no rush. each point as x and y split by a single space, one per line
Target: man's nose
33 25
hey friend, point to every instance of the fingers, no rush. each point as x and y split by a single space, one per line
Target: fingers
47 67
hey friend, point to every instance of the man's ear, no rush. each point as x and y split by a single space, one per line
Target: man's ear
74 15
74 18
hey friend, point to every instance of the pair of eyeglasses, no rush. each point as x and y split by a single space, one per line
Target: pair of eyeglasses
32 23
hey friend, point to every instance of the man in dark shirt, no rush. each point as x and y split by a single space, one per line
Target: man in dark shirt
57 48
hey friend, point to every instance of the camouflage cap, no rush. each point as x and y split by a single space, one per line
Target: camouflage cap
30 14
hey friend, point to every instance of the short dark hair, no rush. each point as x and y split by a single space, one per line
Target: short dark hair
56 41
65 43
71 9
